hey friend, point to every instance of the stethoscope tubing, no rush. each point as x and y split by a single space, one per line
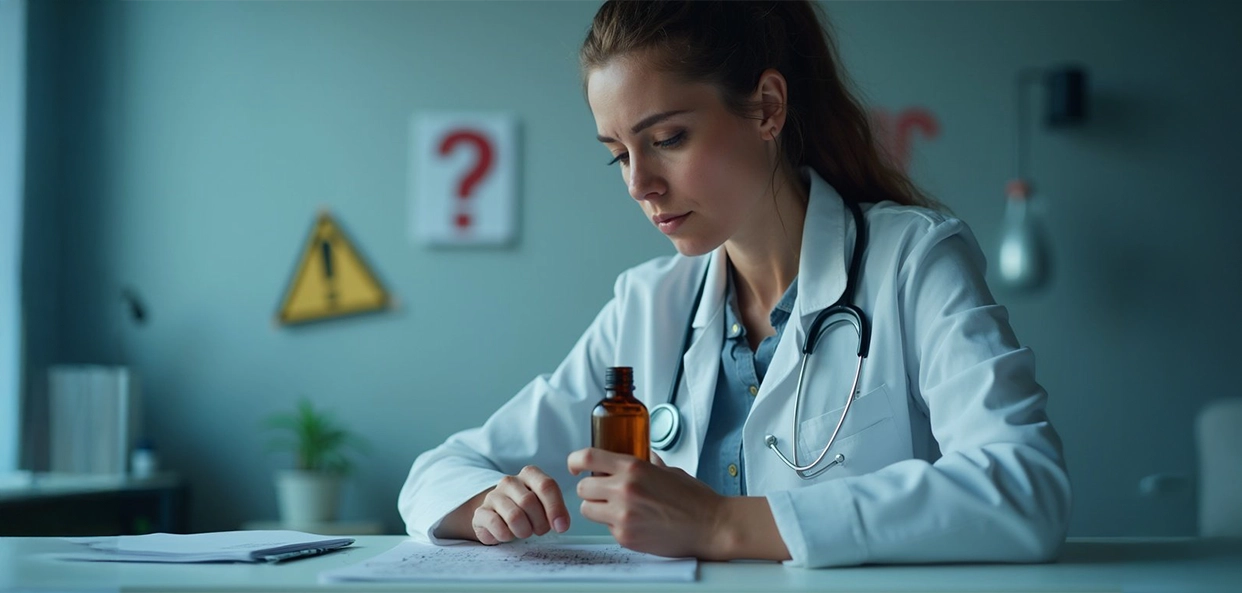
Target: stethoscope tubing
667 412
669 417
803 470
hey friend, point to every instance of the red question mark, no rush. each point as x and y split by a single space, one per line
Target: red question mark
896 134
907 121
483 164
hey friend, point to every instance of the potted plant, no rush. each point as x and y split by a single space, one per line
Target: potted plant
310 492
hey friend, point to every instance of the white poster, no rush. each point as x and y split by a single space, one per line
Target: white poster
463 178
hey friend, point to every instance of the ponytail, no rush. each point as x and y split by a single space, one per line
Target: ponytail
730 44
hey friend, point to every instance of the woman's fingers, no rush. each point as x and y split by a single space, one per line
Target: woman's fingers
600 461
515 517
532 511
520 506
489 527
595 488
609 471
548 501
599 512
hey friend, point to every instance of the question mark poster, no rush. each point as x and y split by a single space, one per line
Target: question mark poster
463 178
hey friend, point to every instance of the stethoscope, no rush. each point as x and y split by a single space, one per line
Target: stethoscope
666 418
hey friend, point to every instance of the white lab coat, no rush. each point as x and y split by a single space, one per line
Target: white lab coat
949 453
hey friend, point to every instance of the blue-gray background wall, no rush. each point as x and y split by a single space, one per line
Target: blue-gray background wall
182 149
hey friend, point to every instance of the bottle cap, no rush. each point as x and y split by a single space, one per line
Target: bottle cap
618 377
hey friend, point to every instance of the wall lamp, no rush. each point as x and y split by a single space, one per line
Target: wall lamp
1025 256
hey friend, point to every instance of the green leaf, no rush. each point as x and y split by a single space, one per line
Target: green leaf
314 437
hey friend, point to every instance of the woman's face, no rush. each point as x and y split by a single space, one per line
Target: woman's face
699 172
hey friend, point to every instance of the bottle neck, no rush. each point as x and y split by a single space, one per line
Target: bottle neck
620 392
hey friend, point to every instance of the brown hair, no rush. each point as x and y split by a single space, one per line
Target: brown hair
729 44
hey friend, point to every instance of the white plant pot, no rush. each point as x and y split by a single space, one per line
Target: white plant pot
307 497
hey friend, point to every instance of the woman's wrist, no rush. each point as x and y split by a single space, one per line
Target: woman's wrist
721 541
458 524
745 529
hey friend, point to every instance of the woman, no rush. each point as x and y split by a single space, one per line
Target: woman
734 132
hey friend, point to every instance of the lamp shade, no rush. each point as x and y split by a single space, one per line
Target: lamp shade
1025 260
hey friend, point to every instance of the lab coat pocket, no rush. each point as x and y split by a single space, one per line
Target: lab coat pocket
869 416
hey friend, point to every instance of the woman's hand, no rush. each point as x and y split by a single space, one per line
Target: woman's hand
650 507
518 507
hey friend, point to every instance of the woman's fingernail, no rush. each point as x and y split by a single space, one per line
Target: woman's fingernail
560 524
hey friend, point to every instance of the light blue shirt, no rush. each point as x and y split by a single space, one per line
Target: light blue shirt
741 374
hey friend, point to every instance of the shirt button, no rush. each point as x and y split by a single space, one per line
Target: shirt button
734 329
754 390
732 470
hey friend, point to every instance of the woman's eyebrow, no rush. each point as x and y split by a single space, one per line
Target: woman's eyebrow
646 122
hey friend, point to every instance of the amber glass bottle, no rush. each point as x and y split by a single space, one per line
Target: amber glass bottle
619 422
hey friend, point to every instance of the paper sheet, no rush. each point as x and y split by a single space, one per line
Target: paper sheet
225 546
413 561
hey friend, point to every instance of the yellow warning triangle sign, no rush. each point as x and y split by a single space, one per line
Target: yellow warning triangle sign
331 280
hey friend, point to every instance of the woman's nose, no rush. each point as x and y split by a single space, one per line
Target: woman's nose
645 182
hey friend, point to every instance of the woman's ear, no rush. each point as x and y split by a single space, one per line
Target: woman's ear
772 94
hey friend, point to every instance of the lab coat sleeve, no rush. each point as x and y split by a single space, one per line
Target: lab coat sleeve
540 426
999 492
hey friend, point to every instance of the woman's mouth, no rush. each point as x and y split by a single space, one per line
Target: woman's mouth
669 223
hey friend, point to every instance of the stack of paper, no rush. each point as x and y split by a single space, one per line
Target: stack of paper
412 561
224 546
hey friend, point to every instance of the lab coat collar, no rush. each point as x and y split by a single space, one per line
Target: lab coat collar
702 358
827 243
827 240
714 293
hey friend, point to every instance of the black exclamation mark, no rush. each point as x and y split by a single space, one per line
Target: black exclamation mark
326 248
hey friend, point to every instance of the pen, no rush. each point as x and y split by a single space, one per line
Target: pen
296 554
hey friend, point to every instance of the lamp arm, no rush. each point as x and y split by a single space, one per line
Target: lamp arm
1026 77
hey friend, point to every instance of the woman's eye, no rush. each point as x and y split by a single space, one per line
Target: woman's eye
624 158
671 142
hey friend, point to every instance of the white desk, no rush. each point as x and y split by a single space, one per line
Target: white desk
1129 565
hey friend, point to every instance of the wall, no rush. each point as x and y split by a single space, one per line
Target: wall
202 137
12 150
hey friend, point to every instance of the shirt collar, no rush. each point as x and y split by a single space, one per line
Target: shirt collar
778 317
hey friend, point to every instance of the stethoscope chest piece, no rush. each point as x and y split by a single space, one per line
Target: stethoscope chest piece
665 426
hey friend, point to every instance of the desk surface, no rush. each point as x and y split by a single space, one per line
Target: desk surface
1129 565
